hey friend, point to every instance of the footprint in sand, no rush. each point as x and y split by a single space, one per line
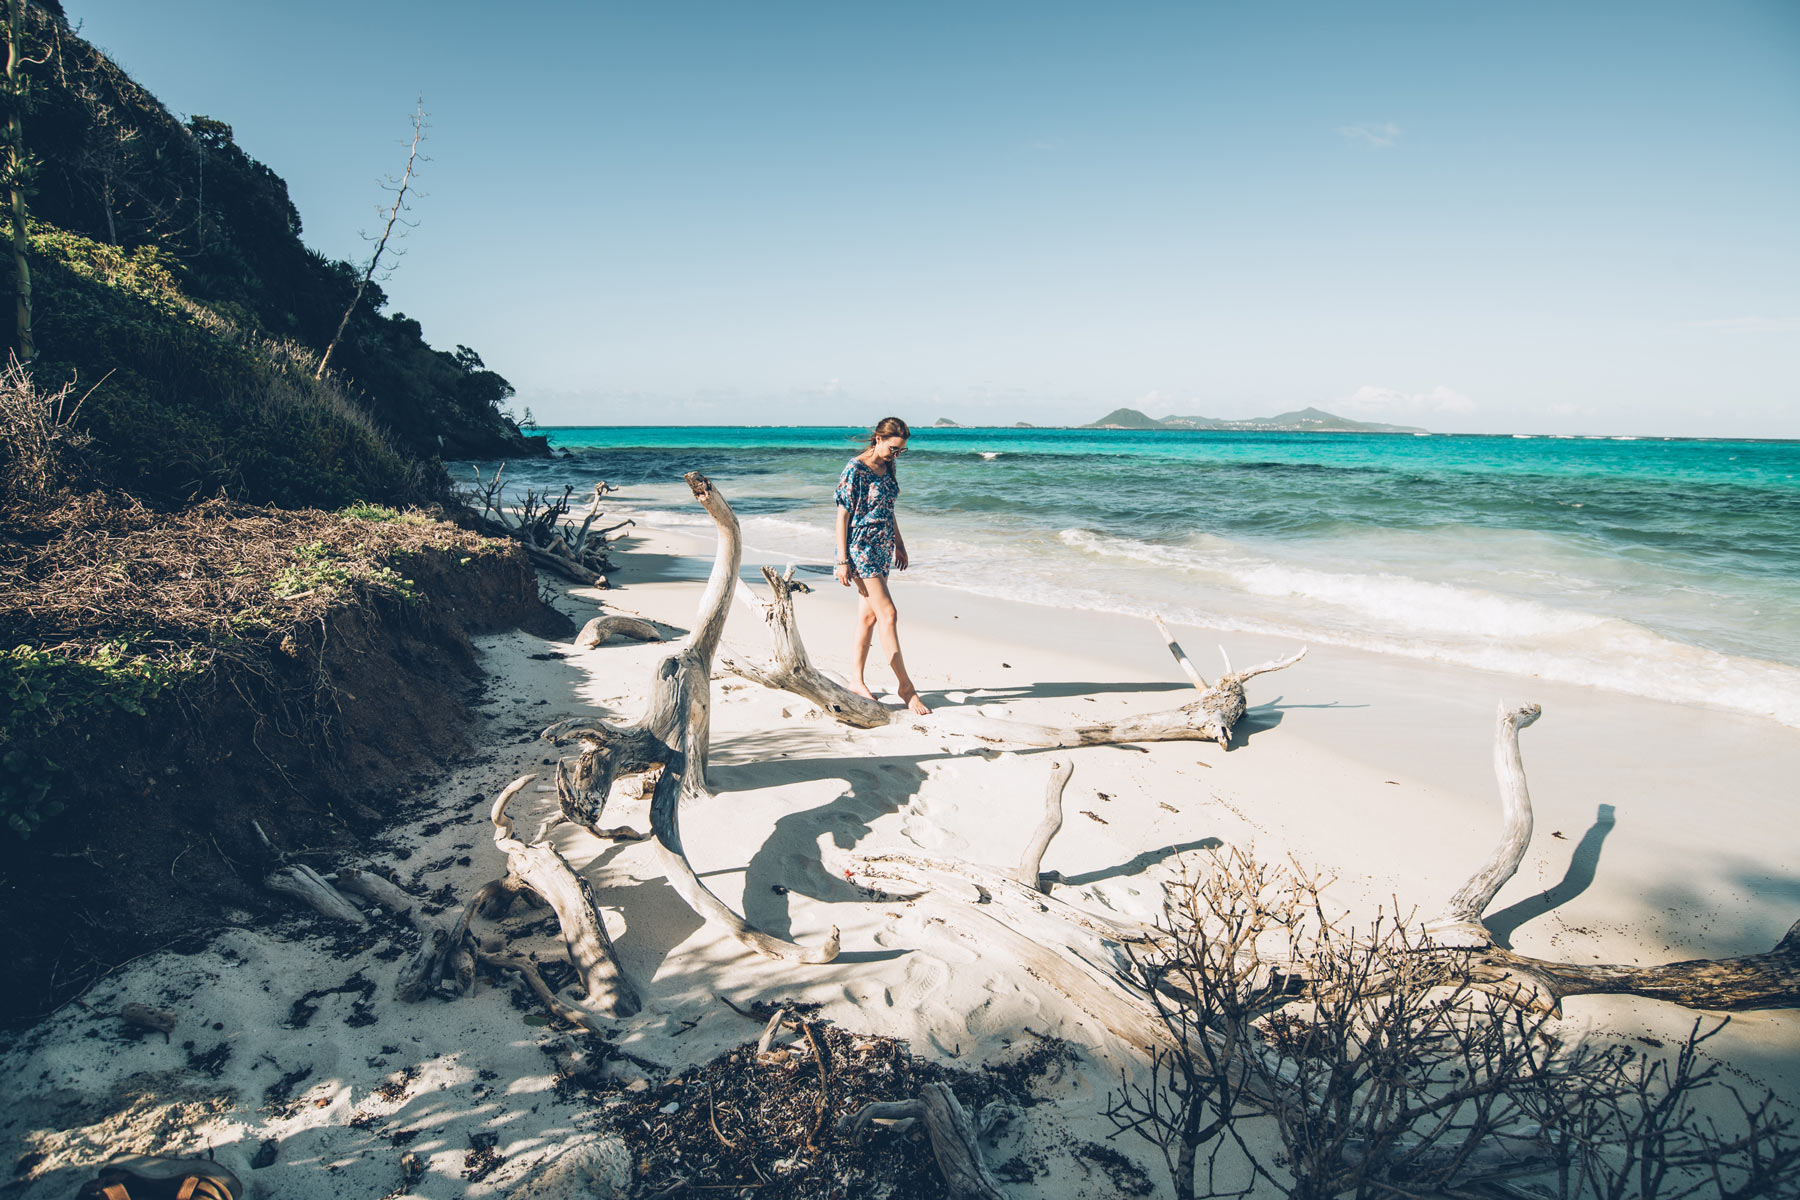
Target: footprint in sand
1003 1009
924 980
922 827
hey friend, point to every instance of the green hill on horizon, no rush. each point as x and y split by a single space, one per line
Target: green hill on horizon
1303 420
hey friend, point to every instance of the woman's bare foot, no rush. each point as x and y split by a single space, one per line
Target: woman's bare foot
914 701
862 689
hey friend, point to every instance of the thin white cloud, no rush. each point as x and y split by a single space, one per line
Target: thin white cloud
831 387
1749 324
1369 400
1375 136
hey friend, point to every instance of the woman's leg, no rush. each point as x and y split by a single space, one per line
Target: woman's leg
860 637
880 606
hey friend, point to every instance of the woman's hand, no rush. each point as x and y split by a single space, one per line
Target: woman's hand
843 574
900 559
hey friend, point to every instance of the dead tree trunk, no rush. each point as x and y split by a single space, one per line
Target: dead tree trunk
392 214
675 733
14 169
1769 980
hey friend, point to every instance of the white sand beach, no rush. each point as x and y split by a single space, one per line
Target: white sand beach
1663 833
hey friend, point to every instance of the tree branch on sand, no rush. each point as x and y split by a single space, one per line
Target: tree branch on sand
1768 980
576 552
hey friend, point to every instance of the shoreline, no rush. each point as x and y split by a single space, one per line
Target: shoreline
1375 770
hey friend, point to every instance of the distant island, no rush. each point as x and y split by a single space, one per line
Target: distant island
1305 420
946 423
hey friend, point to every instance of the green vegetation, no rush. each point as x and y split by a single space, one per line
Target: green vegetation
382 514
110 604
319 568
50 695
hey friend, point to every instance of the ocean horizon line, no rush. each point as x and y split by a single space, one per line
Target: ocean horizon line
545 427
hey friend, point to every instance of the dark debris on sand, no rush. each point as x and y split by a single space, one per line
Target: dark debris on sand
770 1125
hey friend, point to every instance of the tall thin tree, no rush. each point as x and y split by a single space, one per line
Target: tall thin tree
391 214
16 166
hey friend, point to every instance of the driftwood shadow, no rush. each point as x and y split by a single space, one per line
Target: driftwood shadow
1008 693
1137 864
788 858
1583 864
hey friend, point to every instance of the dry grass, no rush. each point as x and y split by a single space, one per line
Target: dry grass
95 570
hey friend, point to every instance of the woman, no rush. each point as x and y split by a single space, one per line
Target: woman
869 545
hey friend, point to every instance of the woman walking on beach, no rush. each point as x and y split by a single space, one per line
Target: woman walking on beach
869 545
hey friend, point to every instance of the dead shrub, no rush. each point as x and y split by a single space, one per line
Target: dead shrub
42 453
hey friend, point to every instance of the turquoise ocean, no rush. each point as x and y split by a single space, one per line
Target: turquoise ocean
1661 567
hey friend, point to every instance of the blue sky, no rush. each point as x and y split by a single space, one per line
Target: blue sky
1569 217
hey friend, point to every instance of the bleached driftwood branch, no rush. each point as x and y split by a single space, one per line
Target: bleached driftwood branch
1075 951
600 629
1032 861
1210 717
309 887
374 887
791 669
546 872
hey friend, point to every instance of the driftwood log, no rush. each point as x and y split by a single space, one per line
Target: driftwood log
600 629
309 887
1211 717
953 1139
1754 981
791 669
1076 952
374 887
1208 718
536 870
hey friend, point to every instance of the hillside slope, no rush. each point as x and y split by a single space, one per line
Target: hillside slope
169 275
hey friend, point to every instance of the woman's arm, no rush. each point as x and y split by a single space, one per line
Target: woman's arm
842 571
900 558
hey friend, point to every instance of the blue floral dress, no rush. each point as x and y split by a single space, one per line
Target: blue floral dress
869 498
